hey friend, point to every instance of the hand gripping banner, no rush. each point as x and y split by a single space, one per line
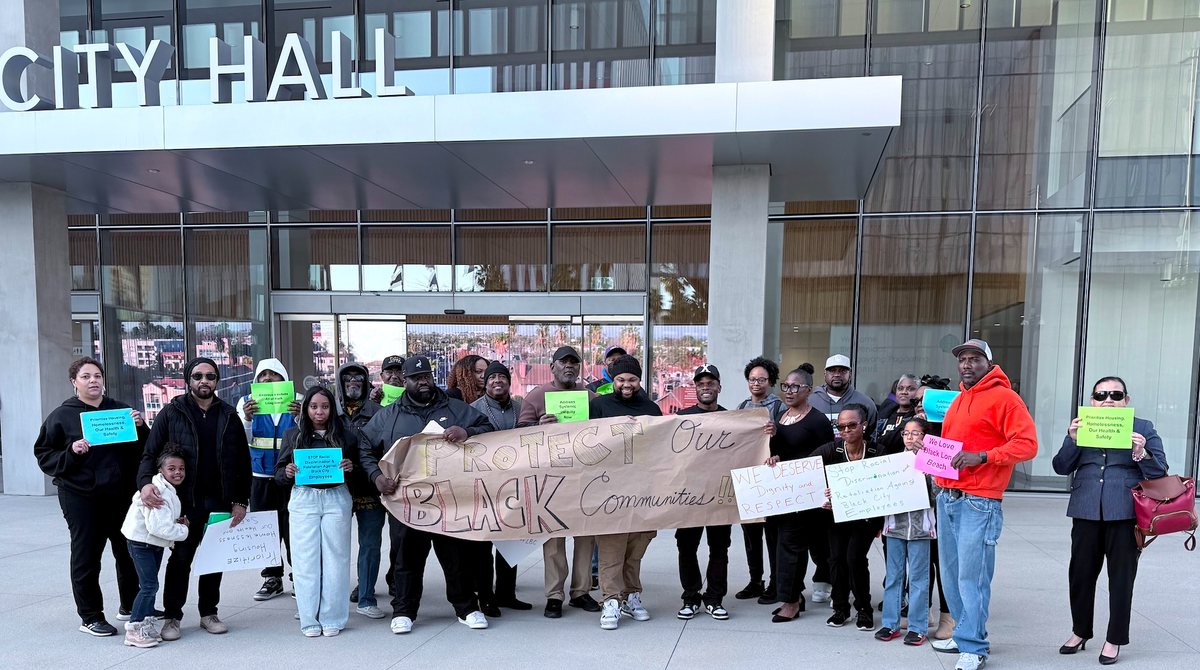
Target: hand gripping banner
596 477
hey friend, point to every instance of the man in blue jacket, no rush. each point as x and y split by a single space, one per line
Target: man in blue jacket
264 432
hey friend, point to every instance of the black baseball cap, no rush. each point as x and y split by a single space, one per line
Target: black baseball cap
392 362
563 352
417 365
707 370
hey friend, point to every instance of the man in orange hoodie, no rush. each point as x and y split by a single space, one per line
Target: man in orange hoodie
997 432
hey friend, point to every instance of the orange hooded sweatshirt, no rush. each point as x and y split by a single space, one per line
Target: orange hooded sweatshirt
989 417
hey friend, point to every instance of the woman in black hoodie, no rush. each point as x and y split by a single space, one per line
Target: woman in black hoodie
95 485
621 553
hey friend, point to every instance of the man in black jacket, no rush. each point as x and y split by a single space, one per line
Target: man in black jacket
218 481
423 402
356 410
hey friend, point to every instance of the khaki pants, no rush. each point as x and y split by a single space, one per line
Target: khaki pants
554 553
621 562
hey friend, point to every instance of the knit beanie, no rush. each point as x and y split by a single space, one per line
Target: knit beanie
497 368
191 365
625 365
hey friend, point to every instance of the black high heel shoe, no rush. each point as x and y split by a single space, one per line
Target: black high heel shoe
1109 660
1067 649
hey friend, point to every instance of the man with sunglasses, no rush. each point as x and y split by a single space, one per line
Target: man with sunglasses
997 432
218 477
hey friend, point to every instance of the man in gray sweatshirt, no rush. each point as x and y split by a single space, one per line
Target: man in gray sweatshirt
837 392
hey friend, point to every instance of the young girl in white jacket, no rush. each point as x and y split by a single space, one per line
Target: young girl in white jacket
148 532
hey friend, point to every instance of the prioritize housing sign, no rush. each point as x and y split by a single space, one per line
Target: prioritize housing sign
586 478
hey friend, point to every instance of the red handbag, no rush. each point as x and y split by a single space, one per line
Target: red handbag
1165 505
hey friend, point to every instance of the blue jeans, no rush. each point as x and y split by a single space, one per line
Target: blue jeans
968 529
319 525
916 553
147 559
370 540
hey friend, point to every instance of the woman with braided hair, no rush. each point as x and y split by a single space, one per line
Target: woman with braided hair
466 378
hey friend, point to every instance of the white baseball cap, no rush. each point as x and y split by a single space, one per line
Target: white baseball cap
837 361
974 344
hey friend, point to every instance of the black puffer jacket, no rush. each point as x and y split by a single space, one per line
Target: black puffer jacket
174 424
614 405
105 470
405 418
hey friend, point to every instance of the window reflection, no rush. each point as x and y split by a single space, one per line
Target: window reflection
406 258
501 258
85 259
499 45
315 22
314 258
679 309
601 43
202 20
818 290
599 258
685 50
136 24
816 39
421 29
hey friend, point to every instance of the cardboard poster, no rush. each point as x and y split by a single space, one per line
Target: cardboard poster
1106 427
876 487
517 551
112 426
788 486
612 475
273 397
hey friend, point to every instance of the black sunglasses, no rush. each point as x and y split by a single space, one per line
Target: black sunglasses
210 376
1101 396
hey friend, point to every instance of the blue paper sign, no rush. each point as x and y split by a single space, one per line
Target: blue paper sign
319 466
937 402
111 426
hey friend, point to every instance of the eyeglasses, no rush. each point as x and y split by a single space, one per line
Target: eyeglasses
758 380
792 388
210 376
1101 396
848 426
913 433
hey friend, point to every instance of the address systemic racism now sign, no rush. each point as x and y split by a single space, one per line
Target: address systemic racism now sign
592 477
295 73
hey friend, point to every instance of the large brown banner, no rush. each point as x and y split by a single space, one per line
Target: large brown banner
593 477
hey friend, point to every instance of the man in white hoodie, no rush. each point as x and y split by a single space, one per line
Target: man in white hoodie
265 432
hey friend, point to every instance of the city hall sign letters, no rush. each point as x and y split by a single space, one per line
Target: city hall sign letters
295 74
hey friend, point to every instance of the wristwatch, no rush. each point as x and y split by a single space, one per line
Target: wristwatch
983 457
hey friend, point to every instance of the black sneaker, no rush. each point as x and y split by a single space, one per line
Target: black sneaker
769 597
752 590
490 609
585 602
866 621
123 614
914 639
595 582
99 628
270 588
354 595
886 634
838 619
553 609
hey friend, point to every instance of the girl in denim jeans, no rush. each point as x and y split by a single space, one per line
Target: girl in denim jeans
909 538
147 532
320 513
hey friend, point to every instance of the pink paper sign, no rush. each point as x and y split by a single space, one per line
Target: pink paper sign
935 456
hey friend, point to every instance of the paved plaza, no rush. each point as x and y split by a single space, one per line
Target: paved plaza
1030 616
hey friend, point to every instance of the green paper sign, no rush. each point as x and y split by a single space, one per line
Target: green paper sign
273 397
217 517
606 389
568 406
1106 427
391 394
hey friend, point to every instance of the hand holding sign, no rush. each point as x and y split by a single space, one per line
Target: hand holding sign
568 406
1106 427
391 394
935 456
319 466
936 402
788 486
876 487
108 427
273 397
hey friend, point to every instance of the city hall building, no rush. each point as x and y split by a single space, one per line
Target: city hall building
692 180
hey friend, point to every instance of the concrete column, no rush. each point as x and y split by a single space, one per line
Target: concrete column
745 40
35 310
34 24
737 284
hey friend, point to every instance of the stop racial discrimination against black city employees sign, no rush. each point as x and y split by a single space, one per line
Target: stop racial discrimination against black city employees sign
596 477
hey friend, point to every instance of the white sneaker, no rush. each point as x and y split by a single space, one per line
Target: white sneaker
969 661
947 646
401 624
314 631
610 616
688 611
633 607
330 632
475 621
821 592
371 612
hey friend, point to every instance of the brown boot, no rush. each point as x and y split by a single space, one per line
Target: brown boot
945 629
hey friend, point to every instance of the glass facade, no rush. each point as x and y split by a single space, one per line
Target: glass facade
1038 194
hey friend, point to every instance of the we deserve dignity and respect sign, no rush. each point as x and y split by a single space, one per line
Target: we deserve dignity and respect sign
585 478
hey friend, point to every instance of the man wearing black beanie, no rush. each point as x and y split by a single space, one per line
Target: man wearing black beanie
621 553
217 480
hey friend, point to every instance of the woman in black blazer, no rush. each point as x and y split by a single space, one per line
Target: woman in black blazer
1101 507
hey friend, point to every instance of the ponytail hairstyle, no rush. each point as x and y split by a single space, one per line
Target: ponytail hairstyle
334 435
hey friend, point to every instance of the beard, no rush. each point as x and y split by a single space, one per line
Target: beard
354 393
420 396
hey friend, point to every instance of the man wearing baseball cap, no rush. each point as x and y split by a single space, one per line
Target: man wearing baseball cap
391 372
997 432
687 540
421 403
610 355
565 371
837 392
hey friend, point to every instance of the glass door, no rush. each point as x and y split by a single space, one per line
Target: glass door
307 346
369 340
